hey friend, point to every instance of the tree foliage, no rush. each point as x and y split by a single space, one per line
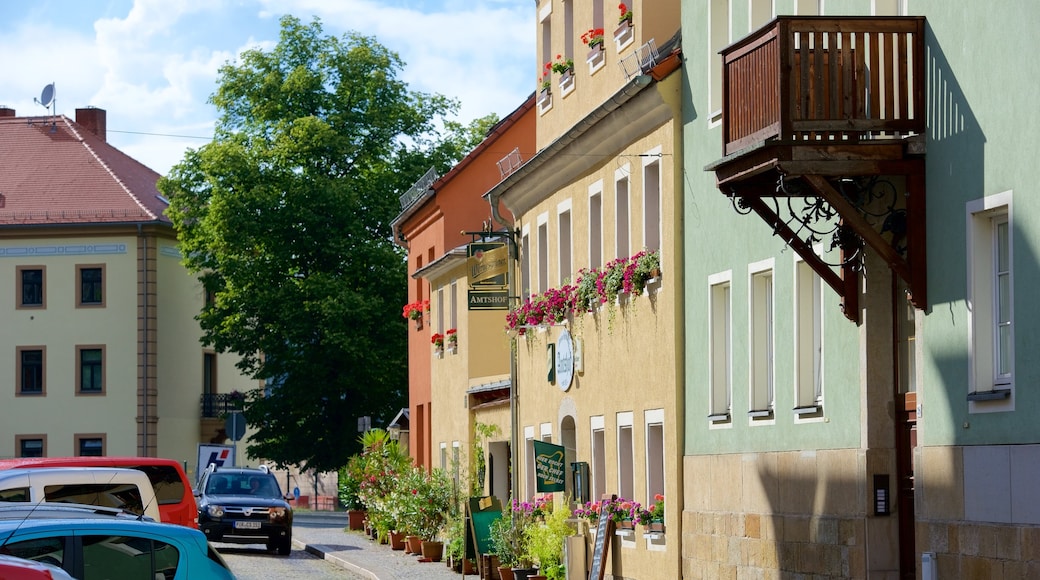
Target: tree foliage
285 216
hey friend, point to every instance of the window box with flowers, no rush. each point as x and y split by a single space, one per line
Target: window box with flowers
565 68
623 512
593 38
652 517
624 34
416 311
545 89
438 344
451 338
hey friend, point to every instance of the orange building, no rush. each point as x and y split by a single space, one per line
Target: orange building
435 213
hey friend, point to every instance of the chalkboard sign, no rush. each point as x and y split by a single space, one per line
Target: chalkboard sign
604 533
481 512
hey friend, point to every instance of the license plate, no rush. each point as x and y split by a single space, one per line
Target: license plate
247 525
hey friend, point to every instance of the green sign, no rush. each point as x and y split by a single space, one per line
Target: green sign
548 467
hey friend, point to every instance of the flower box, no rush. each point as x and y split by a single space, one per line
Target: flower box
567 82
624 34
596 58
544 100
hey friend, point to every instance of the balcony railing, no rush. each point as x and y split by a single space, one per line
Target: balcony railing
822 78
218 405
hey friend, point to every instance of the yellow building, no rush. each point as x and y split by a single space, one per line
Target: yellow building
604 187
101 349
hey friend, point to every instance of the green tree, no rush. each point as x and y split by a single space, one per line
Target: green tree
285 216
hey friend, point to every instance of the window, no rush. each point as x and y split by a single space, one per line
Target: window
444 457
50 550
652 201
654 424
31 291
598 469
718 39
440 311
531 485
626 456
525 265
91 290
209 373
128 557
621 246
31 361
453 299
90 445
564 233
455 463
808 340
719 345
31 445
761 332
596 226
760 12
91 361
543 253
991 303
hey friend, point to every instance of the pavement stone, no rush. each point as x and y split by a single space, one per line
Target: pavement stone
356 552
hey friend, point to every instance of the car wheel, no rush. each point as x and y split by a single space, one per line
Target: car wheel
285 546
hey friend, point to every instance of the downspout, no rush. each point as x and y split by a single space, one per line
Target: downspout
143 451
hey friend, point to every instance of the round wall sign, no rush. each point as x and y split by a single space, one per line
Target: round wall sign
564 360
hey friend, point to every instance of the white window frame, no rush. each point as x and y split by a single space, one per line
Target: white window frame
761 341
596 225
598 452
565 241
530 485
653 213
444 456
808 344
440 310
655 482
525 263
623 219
720 348
543 252
989 390
626 480
719 35
453 300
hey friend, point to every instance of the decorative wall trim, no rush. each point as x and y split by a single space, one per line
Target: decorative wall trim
68 250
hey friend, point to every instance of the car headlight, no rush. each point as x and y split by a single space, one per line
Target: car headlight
277 513
215 511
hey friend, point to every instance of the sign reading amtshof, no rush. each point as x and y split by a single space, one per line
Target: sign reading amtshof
548 467
487 267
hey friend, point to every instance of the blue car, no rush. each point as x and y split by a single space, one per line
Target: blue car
106 547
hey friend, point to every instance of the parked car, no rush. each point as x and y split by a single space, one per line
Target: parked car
170 483
244 506
126 489
22 569
113 547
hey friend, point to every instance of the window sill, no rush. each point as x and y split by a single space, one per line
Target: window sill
994 395
809 410
719 418
764 414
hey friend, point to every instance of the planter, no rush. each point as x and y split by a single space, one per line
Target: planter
413 544
536 577
418 324
432 550
523 573
356 519
505 573
396 540
656 527
567 81
623 33
469 567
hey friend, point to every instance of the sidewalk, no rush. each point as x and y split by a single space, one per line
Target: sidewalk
356 552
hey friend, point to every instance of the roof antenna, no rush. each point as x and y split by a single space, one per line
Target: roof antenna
47 100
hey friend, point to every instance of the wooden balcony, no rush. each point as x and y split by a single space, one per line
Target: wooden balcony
824 79
823 110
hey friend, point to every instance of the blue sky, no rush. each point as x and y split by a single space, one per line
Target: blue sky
152 64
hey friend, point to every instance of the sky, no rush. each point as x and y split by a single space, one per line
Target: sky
152 64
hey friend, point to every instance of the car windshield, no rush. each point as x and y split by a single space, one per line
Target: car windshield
243 484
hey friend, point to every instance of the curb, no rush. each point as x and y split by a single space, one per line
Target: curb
315 550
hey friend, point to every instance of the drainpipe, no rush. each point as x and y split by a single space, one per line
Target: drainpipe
143 451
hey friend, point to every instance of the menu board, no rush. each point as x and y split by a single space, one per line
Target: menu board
604 533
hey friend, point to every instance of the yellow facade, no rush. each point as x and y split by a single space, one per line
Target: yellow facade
149 304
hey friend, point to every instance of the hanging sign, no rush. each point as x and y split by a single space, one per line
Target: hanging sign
564 361
487 264
548 467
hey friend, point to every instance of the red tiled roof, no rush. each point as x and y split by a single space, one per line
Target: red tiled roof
54 171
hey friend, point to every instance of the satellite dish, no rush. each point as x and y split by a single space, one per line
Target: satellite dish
47 96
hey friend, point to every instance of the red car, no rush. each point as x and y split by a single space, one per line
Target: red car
172 489
19 569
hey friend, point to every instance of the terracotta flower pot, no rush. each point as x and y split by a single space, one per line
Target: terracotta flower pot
396 540
432 551
356 519
505 573
413 544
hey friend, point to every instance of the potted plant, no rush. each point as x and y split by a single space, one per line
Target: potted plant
641 268
623 33
593 38
652 517
350 491
437 339
545 543
502 538
451 337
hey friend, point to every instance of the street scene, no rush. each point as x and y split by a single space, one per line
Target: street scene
583 289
